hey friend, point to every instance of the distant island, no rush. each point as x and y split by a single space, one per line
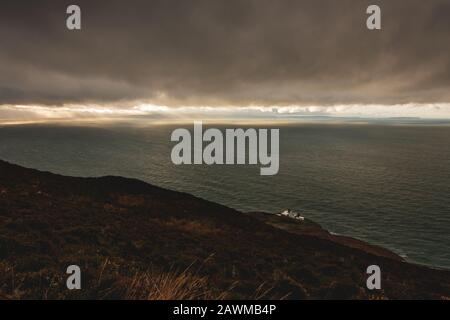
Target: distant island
133 240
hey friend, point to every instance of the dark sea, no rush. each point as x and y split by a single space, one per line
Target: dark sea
384 183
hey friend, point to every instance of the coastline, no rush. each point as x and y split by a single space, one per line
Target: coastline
312 228
125 226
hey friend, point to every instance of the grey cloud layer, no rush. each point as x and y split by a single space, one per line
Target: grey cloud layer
229 52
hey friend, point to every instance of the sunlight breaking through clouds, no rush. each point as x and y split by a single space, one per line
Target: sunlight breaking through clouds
148 111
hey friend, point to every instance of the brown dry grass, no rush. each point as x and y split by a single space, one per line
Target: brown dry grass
155 284
171 286
182 286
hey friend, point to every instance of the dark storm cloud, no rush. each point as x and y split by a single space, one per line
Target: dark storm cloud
228 52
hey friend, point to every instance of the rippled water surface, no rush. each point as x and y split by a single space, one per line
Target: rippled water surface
386 184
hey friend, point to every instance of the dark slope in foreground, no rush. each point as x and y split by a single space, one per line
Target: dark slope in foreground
116 228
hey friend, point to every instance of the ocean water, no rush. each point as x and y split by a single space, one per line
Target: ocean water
383 183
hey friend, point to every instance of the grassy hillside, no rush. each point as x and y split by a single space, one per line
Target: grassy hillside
133 240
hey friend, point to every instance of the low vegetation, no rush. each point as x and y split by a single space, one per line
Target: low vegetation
136 241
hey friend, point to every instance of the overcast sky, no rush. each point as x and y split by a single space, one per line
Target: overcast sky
225 53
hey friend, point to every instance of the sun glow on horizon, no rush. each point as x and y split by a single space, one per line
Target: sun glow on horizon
149 111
